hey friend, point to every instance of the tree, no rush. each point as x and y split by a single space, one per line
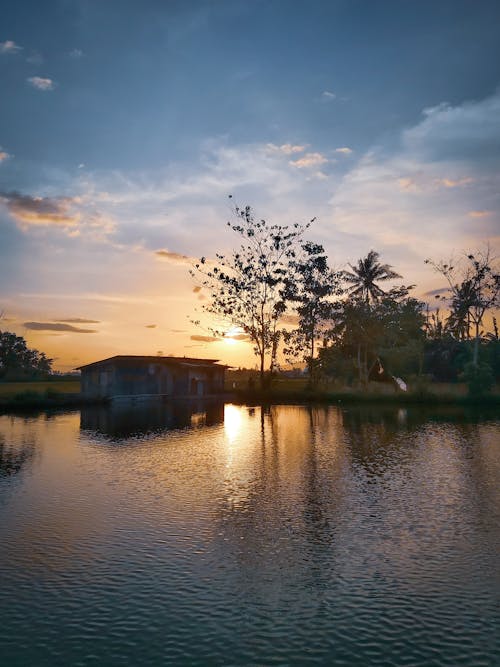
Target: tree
247 287
310 287
363 330
17 360
366 274
474 288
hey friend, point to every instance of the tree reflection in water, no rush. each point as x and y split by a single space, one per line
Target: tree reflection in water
13 458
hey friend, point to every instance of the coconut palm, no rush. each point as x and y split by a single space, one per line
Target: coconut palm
366 274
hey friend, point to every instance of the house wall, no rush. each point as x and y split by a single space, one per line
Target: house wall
151 379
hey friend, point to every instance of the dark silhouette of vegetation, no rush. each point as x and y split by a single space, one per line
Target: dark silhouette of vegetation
310 288
18 361
364 331
474 288
247 288
364 276
280 290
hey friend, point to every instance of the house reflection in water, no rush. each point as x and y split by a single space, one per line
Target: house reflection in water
125 419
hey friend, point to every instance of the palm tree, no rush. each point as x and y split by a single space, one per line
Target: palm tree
366 274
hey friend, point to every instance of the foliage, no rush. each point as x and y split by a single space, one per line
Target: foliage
364 277
479 378
247 287
310 287
363 330
18 361
474 289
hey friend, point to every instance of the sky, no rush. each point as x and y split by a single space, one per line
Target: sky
125 125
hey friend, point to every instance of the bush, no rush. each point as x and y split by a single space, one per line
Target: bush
479 378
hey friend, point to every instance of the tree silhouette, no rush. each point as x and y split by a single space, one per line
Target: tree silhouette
364 277
247 286
17 359
474 285
310 287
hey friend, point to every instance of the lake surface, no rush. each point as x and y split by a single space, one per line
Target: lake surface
235 535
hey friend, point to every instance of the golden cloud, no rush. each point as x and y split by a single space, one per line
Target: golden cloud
309 160
479 214
174 257
205 339
453 183
51 326
43 211
286 149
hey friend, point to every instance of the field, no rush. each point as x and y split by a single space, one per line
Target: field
9 389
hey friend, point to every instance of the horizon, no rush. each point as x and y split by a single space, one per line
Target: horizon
124 128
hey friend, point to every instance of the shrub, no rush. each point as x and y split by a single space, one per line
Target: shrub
479 378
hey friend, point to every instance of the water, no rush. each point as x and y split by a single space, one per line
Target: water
230 535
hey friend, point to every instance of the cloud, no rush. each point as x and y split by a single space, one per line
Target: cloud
453 183
41 83
241 337
50 326
345 150
418 197
150 326
328 95
196 289
35 58
205 339
76 53
309 160
78 320
9 47
44 211
4 156
480 214
174 257
286 149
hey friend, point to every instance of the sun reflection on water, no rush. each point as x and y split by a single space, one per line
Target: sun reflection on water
233 421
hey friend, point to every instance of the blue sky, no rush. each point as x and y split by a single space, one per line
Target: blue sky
125 125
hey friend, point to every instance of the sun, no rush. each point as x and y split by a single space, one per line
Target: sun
230 337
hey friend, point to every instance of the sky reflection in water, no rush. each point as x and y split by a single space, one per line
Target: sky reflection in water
214 534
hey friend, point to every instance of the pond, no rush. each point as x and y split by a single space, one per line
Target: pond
212 534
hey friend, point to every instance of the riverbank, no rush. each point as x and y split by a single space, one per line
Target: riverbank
364 398
35 401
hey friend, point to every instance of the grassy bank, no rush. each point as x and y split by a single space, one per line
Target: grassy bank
47 394
11 389
296 390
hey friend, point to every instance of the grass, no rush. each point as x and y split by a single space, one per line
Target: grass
287 390
11 389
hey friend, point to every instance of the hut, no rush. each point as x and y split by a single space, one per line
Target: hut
134 376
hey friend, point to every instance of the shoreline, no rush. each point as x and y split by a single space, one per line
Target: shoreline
255 397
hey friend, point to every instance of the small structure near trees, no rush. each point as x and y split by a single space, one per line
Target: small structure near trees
134 376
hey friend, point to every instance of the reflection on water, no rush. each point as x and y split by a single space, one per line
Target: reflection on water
126 419
250 536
